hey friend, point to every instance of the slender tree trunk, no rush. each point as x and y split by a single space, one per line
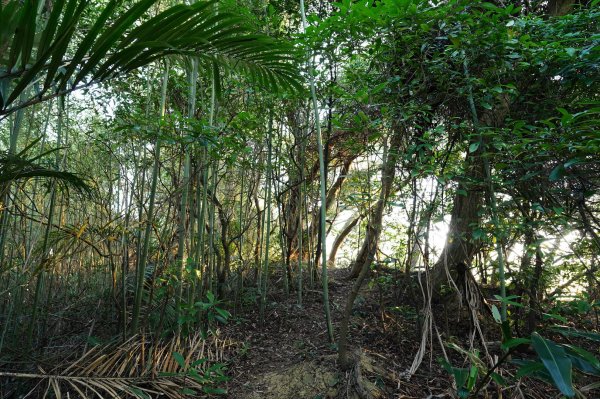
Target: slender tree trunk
534 291
265 273
332 194
323 188
181 230
212 266
202 204
45 253
388 172
5 188
301 209
150 216
258 242
339 240
369 246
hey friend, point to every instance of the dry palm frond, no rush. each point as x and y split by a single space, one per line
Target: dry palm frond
70 239
138 368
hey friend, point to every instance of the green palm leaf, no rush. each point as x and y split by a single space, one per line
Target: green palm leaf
19 167
115 45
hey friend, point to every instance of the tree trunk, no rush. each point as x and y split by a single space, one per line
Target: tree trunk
460 247
339 240
259 233
557 8
224 269
150 216
388 171
332 194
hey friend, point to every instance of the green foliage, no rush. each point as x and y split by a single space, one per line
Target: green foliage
19 166
577 306
208 377
466 378
556 362
384 67
206 314
116 45
572 332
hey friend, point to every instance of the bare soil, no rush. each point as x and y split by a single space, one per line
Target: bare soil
290 356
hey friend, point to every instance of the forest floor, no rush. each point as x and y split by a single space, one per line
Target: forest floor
290 356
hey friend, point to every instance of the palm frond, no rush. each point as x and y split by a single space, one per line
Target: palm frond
69 239
54 61
17 167
138 368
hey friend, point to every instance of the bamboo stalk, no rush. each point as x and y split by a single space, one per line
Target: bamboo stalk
323 192
150 216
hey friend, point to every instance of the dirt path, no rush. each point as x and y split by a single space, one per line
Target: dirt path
291 337
290 356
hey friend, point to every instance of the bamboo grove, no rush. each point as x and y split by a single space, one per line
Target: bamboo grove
167 168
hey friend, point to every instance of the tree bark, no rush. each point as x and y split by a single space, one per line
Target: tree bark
339 240
332 194
557 8
388 171
460 247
